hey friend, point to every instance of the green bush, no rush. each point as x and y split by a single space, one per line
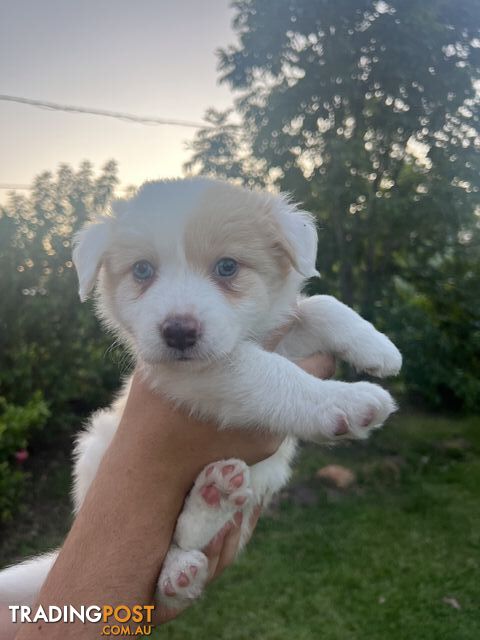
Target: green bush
55 360
48 340
17 424
435 320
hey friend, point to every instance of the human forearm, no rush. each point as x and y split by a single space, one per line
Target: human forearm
125 525
123 529
119 539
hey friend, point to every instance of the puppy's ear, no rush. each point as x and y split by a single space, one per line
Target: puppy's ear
90 244
301 235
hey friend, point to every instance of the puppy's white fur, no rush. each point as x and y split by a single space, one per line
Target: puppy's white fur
183 228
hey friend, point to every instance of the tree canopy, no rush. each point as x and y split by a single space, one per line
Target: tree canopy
368 112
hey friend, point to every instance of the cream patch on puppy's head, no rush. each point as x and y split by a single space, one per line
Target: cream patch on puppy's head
189 268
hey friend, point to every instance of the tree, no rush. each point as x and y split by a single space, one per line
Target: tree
53 360
368 112
49 342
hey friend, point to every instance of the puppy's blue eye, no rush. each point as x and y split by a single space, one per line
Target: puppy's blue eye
143 270
226 267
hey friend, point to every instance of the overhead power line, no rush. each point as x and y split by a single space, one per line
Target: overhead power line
126 117
28 187
19 187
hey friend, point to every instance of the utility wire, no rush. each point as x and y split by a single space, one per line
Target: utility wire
126 117
20 187
28 187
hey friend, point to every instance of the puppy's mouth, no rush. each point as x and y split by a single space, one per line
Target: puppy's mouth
199 360
184 355
177 356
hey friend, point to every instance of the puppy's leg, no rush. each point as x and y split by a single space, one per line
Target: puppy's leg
21 583
266 479
325 324
220 490
182 579
258 388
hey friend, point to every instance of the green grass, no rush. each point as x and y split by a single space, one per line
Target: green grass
372 563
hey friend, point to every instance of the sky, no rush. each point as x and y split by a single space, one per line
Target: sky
147 57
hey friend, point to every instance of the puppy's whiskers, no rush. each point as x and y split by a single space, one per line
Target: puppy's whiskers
120 355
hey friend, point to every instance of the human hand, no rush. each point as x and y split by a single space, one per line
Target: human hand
202 440
189 444
129 513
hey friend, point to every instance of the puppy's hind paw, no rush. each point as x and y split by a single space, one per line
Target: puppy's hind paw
182 579
224 485
220 490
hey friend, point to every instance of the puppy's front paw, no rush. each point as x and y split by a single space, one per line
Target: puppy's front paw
182 579
375 354
357 409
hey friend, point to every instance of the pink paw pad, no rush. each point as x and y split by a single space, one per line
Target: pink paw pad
224 482
183 580
237 481
341 427
228 468
211 495
168 589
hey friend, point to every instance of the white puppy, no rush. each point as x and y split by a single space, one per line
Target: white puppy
194 275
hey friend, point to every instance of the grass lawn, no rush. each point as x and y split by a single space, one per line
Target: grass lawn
397 556
377 562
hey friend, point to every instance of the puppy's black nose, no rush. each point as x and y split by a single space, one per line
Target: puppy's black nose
180 332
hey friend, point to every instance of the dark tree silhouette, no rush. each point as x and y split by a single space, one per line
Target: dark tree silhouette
368 112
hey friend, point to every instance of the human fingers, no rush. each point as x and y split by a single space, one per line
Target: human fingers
230 546
320 365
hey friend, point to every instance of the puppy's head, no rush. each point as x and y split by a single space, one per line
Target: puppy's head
188 268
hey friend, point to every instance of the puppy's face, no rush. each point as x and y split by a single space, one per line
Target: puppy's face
189 268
